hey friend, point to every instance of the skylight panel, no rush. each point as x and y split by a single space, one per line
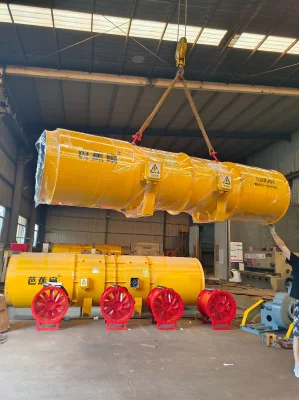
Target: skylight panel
294 49
63 19
172 32
211 37
102 25
248 41
4 13
147 29
276 44
31 15
72 20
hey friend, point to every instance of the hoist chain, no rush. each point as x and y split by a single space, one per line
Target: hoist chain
138 135
212 152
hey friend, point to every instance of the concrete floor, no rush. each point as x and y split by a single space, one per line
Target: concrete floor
83 361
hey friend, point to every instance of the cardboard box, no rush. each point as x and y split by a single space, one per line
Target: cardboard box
4 321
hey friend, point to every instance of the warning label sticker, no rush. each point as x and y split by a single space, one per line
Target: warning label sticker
155 170
226 182
83 282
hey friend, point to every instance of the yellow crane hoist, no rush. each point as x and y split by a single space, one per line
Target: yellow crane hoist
180 53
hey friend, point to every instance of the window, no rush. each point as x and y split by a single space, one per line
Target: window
247 41
2 216
211 37
21 230
276 43
35 235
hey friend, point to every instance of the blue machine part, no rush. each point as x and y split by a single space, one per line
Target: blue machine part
275 315
278 313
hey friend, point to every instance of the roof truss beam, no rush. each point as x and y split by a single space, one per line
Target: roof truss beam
80 76
161 133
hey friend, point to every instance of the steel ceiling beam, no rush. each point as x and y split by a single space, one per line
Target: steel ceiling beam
280 116
225 109
288 76
214 97
16 29
240 114
58 59
277 60
127 38
160 133
80 76
161 38
112 103
280 22
90 37
209 17
250 12
135 106
55 35
292 175
180 110
259 114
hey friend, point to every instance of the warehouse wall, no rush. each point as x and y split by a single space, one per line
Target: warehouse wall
284 157
9 150
84 225
207 245
8 159
258 236
28 190
281 156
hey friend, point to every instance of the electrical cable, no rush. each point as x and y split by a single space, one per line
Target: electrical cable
186 11
84 40
179 12
155 55
267 72
102 33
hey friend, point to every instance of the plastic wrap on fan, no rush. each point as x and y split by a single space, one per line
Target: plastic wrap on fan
77 169
45 182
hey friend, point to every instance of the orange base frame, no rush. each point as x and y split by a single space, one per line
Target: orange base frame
217 326
47 327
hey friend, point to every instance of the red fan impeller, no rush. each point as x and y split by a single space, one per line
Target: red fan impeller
49 306
117 306
218 306
166 307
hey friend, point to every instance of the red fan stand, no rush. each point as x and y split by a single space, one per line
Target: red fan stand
48 307
217 307
117 306
166 307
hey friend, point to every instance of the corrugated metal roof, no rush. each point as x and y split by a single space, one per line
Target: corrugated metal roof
50 100
106 52
87 107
